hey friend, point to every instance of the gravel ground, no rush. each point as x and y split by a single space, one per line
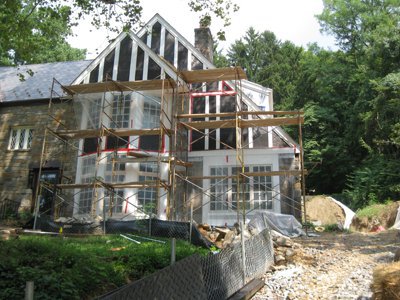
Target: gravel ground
331 266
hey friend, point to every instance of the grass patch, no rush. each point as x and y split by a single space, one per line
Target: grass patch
371 211
80 268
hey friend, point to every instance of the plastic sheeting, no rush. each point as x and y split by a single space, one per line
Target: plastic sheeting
284 224
396 224
349 214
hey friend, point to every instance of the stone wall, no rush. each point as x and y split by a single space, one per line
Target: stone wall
15 165
290 187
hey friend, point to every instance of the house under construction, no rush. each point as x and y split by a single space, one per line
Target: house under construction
150 128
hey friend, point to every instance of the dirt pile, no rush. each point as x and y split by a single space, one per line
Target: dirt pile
321 210
385 216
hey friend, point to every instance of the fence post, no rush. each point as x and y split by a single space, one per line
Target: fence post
104 213
243 253
151 217
29 287
191 222
173 250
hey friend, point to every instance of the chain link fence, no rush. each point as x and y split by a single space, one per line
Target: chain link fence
216 276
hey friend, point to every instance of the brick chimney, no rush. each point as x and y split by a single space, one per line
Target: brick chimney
203 42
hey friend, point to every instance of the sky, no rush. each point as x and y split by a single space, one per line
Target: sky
292 20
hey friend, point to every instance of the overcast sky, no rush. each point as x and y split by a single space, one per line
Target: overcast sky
292 20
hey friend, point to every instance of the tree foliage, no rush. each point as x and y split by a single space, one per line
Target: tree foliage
269 62
34 31
351 97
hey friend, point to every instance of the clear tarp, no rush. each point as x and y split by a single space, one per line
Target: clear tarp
284 224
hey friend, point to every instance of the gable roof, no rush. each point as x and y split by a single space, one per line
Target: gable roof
157 18
38 86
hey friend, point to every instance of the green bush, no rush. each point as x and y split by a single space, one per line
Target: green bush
79 268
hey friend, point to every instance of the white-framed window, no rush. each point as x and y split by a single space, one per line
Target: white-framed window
87 176
116 198
20 138
225 194
85 201
262 188
219 189
151 114
147 197
246 193
114 174
121 107
94 110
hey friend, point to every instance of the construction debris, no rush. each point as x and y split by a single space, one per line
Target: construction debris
221 237
284 249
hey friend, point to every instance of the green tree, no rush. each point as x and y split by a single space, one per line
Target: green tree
368 33
35 31
269 62
369 30
34 34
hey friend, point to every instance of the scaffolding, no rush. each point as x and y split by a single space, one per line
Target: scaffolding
175 123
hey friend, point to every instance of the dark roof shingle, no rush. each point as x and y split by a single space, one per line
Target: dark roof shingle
37 86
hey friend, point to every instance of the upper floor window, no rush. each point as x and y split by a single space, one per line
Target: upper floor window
94 108
20 138
151 114
121 107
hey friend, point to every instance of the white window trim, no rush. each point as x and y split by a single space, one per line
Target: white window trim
26 142
251 191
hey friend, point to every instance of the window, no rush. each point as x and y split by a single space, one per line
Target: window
151 114
94 110
147 197
121 107
262 188
114 174
87 176
151 119
85 201
116 198
245 194
219 189
20 139
226 194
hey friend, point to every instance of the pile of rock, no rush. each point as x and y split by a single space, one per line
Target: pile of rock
221 237
284 249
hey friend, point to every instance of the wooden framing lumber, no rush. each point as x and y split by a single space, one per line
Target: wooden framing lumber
195 76
251 174
240 113
143 184
87 133
210 75
109 86
242 123
249 290
138 159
